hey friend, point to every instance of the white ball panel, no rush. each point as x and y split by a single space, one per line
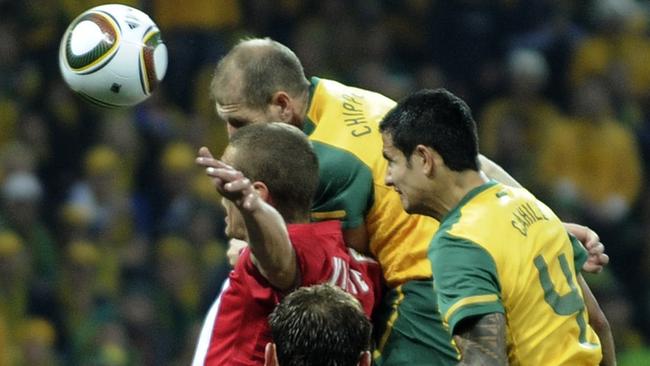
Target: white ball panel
84 37
160 61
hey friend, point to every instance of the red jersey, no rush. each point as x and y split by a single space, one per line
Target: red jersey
236 328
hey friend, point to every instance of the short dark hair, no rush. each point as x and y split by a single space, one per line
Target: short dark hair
437 119
320 325
281 156
263 67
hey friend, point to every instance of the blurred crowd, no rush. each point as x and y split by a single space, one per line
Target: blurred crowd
111 239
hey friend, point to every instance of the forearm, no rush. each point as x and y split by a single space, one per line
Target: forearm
484 341
604 333
269 243
599 323
577 230
494 171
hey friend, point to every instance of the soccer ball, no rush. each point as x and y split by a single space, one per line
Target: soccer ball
113 56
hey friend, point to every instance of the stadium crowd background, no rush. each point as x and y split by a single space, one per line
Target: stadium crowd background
111 239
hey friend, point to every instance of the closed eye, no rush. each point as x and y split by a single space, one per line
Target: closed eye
237 123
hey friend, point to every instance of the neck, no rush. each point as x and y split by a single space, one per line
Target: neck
453 190
297 218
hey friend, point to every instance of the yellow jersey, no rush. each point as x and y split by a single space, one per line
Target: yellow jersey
501 250
343 124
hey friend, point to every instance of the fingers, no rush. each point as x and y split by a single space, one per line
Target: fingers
227 174
221 172
208 162
591 267
232 180
603 259
595 248
591 239
205 153
229 182
596 262
233 185
597 256
237 184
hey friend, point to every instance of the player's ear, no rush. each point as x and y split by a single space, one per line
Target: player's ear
426 157
282 102
270 355
365 358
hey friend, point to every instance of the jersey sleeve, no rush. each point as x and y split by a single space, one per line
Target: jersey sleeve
580 255
253 280
465 280
345 190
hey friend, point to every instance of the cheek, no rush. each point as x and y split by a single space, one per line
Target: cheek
389 173
396 174
236 222
270 115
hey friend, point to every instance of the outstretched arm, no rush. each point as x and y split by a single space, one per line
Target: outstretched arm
599 323
597 258
268 238
496 172
482 340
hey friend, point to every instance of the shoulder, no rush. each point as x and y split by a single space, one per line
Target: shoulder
331 99
316 236
448 250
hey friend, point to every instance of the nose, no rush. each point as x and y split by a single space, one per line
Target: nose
388 179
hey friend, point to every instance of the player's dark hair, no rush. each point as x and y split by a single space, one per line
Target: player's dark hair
262 67
437 119
320 325
281 156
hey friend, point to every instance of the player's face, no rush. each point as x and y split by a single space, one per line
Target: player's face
239 115
235 226
402 176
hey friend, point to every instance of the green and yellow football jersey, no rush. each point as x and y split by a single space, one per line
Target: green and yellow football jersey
343 125
501 250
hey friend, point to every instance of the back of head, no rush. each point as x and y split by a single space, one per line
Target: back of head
254 70
437 119
320 325
280 156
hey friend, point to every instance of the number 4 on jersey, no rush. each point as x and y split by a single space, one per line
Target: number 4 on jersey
567 304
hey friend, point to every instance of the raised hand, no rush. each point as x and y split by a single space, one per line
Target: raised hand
229 182
597 258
